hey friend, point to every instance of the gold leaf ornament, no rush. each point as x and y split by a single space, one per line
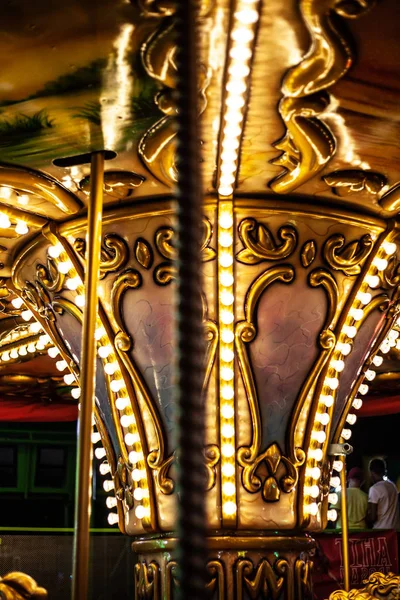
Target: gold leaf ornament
259 243
308 253
143 253
347 258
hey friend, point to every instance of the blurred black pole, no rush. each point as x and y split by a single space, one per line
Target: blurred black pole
192 549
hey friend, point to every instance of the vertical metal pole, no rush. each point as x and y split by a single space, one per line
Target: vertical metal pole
192 550
345 526
87 382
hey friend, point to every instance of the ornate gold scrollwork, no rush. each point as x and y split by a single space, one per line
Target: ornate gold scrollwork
309 143
303 583
259 244
212 457
19 586
143 253
308 253
261 581
117 184
147 581
378 585
114 253
249 457
49 276
216 583
123 484
347 258
353 181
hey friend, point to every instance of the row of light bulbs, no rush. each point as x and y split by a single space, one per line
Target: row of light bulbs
117 390
20 226
331 384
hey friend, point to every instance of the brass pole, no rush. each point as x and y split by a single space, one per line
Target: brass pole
87 382
345 527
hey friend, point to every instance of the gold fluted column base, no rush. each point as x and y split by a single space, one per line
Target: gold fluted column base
239 568
378 585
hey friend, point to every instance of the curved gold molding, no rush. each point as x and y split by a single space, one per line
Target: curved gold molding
19 586
378 585
347 258
260 245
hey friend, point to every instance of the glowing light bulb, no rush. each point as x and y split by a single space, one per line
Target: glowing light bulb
40 346
338 365
344 348
76 392
116 385
227 373
316 454
108 485
389 248
138 474
80 300
227 431
65 266
350 331
138 494
357 403
372 280
110 368
99 333
242 35
370 374
338 466
99 453
380 263
393 334
69 378
225 239
55 251
5 356
104 468
225 219
364 297
17 302
385 347
35 327
332 515
333 498
23 351
111 502
322 418
96 437
311 509
229 508
327 400
313 491
346 434
53 352
226 279
73 283
21 228
356 313
5 192
27 315
14 353
228 488
351 419
226 317
127 420
122 403
5 222
226 298
105 351
31 348
225 259
228 450
227 411
313 472
363 389
135 457
335 482
61 365
131 438
227 355
228 470
377 360
319 436
227 336
332 382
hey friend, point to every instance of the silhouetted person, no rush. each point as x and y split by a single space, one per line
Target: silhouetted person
383 507
357 501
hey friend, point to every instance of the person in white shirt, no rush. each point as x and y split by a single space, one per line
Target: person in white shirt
383 507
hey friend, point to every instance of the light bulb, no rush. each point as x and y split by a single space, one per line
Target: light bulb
76 392
332 515
228 450
226 279
105 351
96 437
227 431
227 355
73 283
313 491
27 315
370 374
17 302
122 403
225 190
227 411
311 509
226 373
327 400
227 392
229 508
389 248
357 403
332 382
116 385
5 222
226 317
45 339
225 259
138 474
99 333
226 298
5 356
69 378
23 351
350 331
242 35
228 488
333 498
140 512
53 351
55 251
372 280
335 482
337 465
225 239
21 228
322 418
319 436
346 434
228 470
35 327
225 220
40 346
14 353
380 263
65 266
131 438
99 453
227 336
61 365
316 454
5 192
104 468
393 334
314 472
80 300
111 502
363 389
351 418
127 420
356 313
31 348
344 348
377 360
385 347
364 297
135 457
338 365
108 485
138 494
110 368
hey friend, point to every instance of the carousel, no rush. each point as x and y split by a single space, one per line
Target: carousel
200 251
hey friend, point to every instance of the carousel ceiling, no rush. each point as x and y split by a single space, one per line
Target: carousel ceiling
322 121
